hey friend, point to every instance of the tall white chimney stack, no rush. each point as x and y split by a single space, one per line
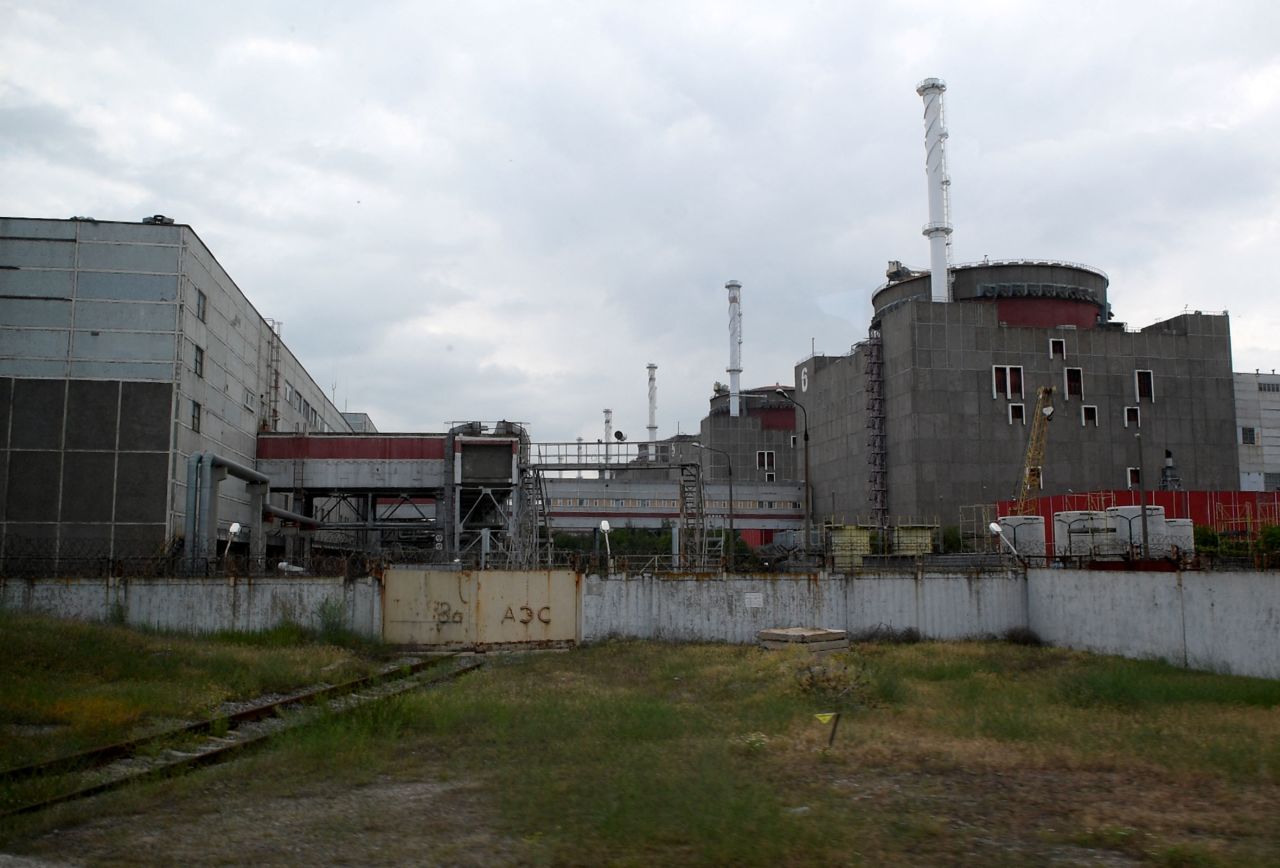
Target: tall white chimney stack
735 343
938 229
653 407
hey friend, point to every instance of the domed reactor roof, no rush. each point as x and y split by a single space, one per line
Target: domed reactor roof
1027 292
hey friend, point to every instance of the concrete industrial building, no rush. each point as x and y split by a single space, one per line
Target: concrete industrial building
124 349
1258 417
931 413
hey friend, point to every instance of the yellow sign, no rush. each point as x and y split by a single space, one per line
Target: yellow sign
825 718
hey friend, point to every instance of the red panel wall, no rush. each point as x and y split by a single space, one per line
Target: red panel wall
1212 508
371 446
776 418
1047 312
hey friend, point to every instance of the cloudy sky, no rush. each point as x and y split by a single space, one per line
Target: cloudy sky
505 210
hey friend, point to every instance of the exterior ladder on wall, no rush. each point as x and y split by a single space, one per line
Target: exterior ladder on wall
877 448
692 517
273 374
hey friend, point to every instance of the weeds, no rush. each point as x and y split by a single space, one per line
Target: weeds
68 686
638 753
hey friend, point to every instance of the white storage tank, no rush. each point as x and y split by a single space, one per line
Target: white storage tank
1182 535
1081 533
1026 532
1127 523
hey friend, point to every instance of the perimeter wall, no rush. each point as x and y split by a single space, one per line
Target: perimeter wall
1218 621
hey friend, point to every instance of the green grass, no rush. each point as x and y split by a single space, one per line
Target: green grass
630 753
68 686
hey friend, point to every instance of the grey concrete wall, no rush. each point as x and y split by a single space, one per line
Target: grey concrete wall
692 608
1221 622
201 605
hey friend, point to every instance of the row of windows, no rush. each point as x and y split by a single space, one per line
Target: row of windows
1007 382
667 503
1133 477
1088 415
1269 387
294 399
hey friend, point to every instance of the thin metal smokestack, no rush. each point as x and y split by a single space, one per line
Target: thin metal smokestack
653 406
608 436
938 229
735 343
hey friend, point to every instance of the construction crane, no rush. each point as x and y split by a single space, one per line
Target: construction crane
1031 467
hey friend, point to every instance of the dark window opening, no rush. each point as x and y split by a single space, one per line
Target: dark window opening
1006 381
1057 348
1075 382
1135 477
1017 414
195 417
1145 385
1132 416
1089 415
1249 436
197 362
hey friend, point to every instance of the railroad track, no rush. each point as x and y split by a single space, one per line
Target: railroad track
217 738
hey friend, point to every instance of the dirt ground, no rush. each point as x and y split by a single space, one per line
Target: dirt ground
1012 817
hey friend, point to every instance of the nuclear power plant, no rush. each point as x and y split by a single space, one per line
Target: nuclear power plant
148 410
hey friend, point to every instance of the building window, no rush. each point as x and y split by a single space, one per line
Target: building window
1272 481
1089 415
1006 381
1269 387
248 399
1017 414
1073 383
195 417
1144 385
288 393
1135 477
1249 436
197 362
201 303
1057 348
1035 478
769 477
793 441
764 460
1132 416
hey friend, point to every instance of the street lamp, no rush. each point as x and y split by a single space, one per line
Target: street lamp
733 538
995 529
608 551
1142 497
807 496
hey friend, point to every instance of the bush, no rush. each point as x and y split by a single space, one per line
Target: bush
1023 636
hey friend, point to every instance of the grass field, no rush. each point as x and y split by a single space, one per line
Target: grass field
67 686
637 753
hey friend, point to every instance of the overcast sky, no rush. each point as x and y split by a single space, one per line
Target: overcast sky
505 210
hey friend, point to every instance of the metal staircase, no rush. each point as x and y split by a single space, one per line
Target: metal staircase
531 546
693 542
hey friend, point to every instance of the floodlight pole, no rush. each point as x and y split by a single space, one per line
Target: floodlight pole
1142 498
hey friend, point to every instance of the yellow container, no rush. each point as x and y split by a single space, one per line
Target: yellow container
848 546
913 539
